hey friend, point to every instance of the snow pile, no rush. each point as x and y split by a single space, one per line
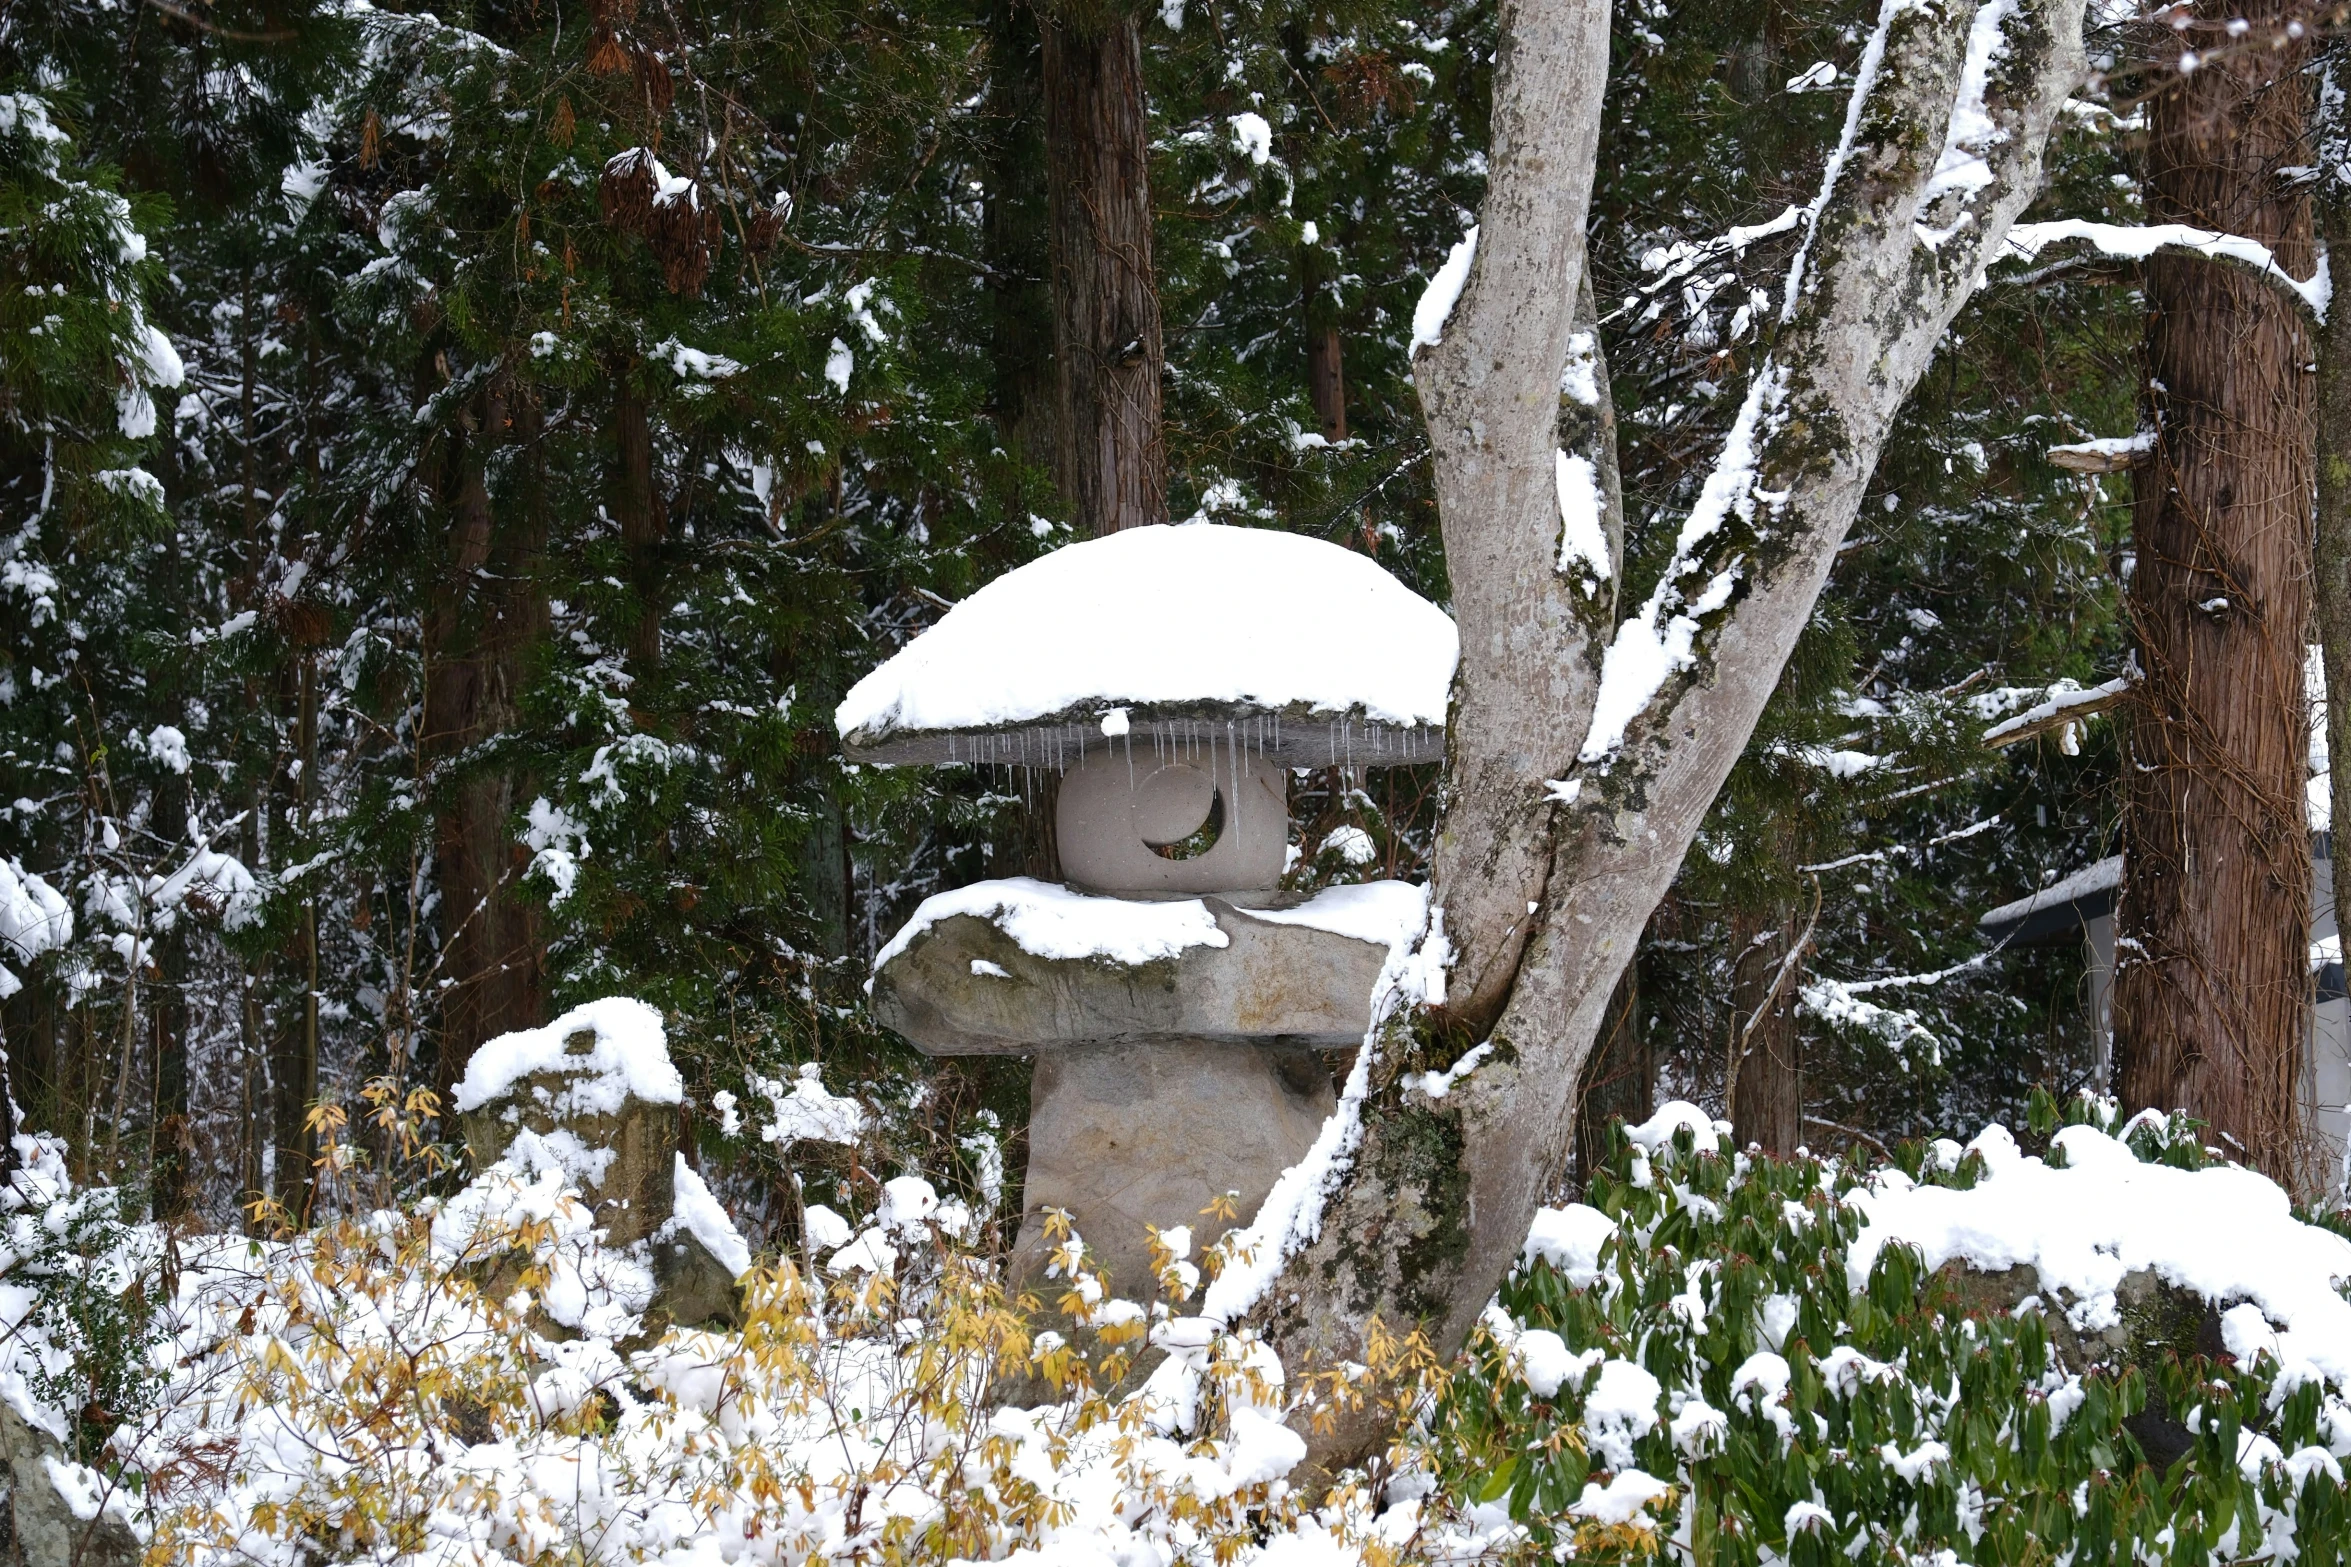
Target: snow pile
627 1057
1203 613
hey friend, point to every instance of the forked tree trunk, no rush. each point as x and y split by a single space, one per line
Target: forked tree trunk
1435 1201
1105 304
487 613
2212 989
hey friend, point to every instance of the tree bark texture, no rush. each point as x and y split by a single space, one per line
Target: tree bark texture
1435 1205
1764 1083
1326 370
478 634
1619 1081
1014 236
2212 984
1105 304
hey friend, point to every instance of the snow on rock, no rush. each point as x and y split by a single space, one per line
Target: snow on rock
699 1214
2226 1233
1380 912
1202 613
1442 294
629 1056
1050 921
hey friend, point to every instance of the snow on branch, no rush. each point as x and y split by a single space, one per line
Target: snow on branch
2063 709
2128 242
2108 454
1662 640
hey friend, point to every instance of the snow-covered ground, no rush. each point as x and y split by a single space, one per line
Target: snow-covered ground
473 1380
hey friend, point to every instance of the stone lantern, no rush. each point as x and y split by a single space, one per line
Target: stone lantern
1175 1000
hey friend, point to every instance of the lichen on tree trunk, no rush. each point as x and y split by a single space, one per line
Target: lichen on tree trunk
2212 986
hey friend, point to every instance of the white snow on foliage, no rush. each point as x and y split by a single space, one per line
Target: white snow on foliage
1252 136
628 1054
34 918
806 1112
1442 294
1203 612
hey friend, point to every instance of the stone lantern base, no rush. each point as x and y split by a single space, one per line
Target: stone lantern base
1128 1136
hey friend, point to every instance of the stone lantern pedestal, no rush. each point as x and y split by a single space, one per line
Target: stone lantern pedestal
1175 1002
1165 1079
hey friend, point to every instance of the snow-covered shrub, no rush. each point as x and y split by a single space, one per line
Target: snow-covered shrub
1749 1360
473 1382
79 1277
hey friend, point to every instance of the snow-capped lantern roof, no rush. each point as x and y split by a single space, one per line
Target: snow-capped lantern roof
1282 644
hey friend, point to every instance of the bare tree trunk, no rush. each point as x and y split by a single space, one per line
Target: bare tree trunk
1619 1081
1326 372
2331 545
294 1072
485 616
1014 236
1105 303
2212 990
642 510
1582 811
1763 1085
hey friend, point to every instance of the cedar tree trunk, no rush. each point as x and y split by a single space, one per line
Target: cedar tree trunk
2212 987
1105 305
486 613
